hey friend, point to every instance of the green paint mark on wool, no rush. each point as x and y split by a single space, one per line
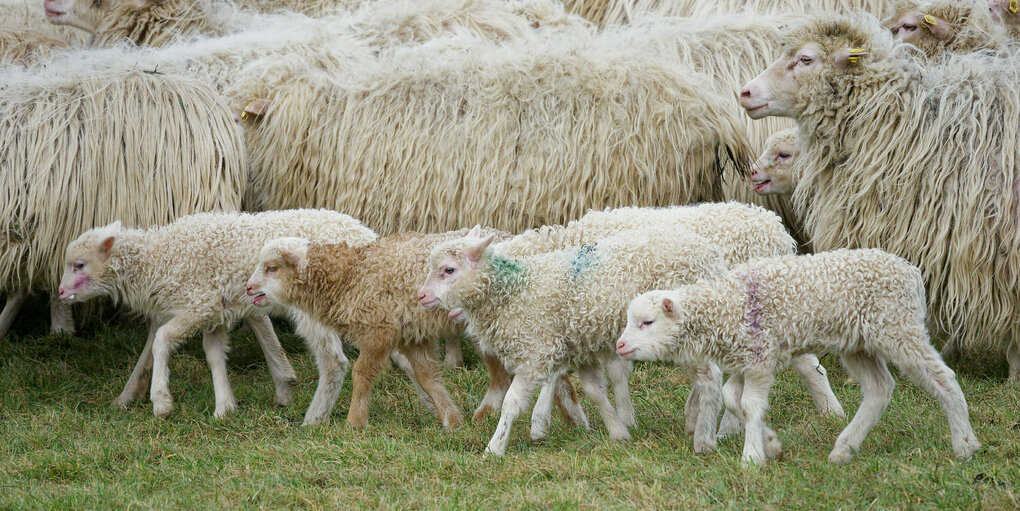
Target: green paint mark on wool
510 276
586 258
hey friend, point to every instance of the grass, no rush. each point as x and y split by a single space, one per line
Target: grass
65 446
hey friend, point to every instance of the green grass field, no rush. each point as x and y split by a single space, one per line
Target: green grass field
64 446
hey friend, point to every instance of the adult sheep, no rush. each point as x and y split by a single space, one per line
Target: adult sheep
82 146
607 12
938 27
464 131
881 139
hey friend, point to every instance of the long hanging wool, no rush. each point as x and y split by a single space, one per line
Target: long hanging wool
607 12
81 147
462 131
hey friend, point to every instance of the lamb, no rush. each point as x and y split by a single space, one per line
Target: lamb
366 294
937 27
465 129
743 233
188 277
82 145
860 186
773 172
866 305
546 313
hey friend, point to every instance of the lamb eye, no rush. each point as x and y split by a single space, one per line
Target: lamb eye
449 270
783 156
78 266
646 322
271 268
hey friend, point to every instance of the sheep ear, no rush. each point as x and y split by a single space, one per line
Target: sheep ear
475 232
255 109
115 226
849 57
667 306
291 258
105 246
475 251
938 28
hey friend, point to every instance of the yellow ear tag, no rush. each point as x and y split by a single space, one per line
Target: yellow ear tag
930 20
856 54
1014 6
244 116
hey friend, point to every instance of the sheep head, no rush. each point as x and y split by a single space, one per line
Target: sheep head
87 271
455 269
653 322
86 15
280 260
773 172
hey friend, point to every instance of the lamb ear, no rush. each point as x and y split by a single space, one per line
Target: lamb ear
475 232
255 109
668 307
291 258
938 28
105 246
848 57
475 251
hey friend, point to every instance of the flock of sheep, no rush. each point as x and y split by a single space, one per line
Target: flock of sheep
605 145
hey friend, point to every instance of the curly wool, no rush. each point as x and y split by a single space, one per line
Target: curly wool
81 147
881 167
197 266
741 232
545 128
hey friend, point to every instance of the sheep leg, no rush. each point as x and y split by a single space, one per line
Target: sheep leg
876 388
61 317
454 352
401 362
707 385
1012 356
570 408
215 345
926 369
754 401
328 349
518 396
499 382
594 382
618 371
372 361
426 371
166 339
284 377
10 311
817 380
138 382
541 414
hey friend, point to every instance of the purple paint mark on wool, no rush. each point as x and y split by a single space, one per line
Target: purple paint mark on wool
754 315
81 281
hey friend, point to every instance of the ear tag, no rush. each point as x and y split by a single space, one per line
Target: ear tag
856 54
931 21
1014 5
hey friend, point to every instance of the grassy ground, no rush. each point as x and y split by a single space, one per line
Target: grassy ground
64 446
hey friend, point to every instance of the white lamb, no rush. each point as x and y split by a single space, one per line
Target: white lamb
547 313
188 277
866 305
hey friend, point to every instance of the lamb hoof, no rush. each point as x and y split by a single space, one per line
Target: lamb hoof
311 421
620 436
357 422
124 400
751 463
537 436
492 451
967 449
453 361
453 421
480 414
704 447
162 411
841 456
773 447
224 410
283 396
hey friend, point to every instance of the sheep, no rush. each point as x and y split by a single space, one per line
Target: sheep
487 124
743 233
774 171
607 12
21 43
84 145
1005 12
866 182
937 27
546 313
865 305
366 294
188 277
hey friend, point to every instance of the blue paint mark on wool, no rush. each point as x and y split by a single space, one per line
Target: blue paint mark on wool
587 257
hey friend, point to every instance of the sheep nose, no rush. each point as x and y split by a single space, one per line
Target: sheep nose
421 296
248 290
621 344
61 292
745 93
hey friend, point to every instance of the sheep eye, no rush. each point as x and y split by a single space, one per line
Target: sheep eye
78 266
783 156
910 28
449 270
271 269
805 60
646 322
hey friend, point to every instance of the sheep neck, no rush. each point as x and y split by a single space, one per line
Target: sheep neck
134 266
327 285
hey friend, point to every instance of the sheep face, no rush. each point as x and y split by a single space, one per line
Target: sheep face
653 320
926 31
772 173
1006 12
279 262
814 68
87 272
87 15
454 270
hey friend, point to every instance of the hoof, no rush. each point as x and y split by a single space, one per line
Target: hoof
704 447
480 414
123 401
841 456
491 451
453 421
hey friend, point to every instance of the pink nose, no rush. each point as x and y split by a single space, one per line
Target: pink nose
61 292
756 170
621 345
247 289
